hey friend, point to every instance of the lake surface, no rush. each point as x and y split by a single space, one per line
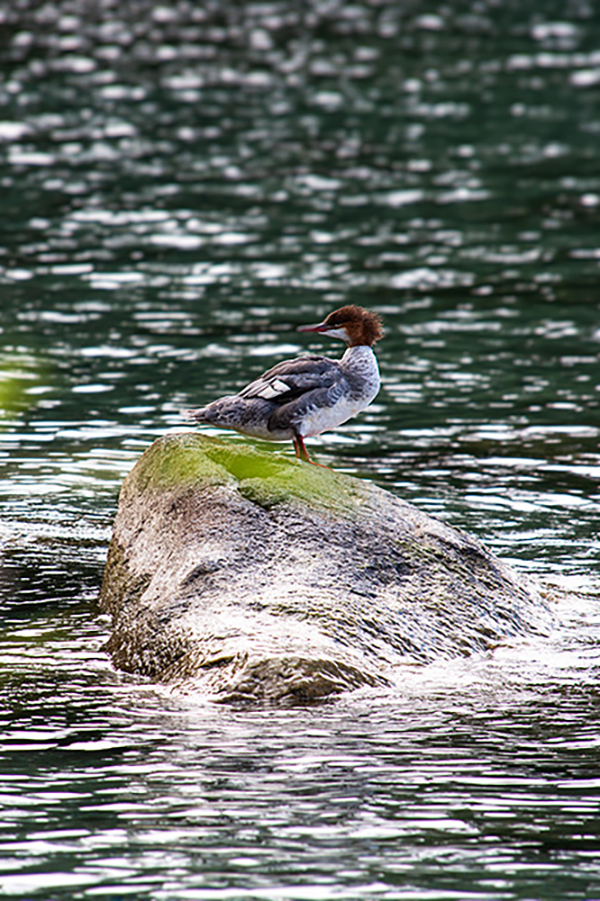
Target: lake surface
182 186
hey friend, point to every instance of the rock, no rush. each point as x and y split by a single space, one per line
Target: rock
248 575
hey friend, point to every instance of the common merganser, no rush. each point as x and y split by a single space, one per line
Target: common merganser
300 398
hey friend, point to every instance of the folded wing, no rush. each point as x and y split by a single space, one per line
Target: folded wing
288 381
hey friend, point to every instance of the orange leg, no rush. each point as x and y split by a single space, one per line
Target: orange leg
300 448
302 453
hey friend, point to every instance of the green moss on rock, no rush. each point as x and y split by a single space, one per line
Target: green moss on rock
190 459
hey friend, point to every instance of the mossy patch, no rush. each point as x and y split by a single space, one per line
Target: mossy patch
178 461
266 478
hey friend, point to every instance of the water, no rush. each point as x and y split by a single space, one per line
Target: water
181 187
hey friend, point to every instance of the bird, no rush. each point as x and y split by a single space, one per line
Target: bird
308 395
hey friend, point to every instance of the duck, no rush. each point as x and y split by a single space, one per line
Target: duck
311 394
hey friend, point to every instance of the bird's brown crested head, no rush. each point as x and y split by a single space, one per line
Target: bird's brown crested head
362 326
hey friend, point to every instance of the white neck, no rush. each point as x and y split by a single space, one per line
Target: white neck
359 365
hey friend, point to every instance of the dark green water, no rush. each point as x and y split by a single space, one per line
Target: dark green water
181 186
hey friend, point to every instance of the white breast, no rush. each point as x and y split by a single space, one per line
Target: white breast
359 365
323 419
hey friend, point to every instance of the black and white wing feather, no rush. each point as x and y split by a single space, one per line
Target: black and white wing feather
290 380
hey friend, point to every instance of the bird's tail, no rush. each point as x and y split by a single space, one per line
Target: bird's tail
198 414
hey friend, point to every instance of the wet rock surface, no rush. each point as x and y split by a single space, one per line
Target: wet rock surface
243 574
